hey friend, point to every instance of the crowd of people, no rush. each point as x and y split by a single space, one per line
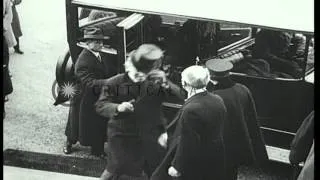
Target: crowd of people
214 132
125 110
11 34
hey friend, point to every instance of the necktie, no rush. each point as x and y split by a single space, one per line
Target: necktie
99 57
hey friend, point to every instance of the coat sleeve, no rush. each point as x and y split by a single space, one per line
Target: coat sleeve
189 140
7 15
16 2
175 90
85 71
303 140
255 133
104 106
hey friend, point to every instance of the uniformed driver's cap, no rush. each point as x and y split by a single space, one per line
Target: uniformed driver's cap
147 57
219 67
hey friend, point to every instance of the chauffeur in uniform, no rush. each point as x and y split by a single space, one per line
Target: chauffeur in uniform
244 142
132 101
196 149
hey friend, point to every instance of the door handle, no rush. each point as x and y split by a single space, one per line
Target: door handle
235 34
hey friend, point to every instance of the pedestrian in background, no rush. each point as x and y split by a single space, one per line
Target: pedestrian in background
243 139
8 41
7 20
16 25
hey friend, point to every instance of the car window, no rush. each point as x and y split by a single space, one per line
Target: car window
233 33
274 54
310 61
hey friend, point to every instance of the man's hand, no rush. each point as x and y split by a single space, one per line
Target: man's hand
158 77
173 172
163 139
125 107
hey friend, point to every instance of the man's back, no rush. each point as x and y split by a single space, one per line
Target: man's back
200 149
242 135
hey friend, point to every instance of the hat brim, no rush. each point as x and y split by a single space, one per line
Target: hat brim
215 66
105 38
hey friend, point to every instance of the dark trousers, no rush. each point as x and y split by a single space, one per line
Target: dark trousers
231 172
7 84
132 157
17 47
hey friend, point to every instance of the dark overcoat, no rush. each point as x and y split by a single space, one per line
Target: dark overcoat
132 136
7 83
243 138
302 141
16 27
91 73
196 147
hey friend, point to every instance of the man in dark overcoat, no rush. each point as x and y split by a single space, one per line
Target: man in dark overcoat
196 148
7 83
16 27
244 142
302 144
132 101
91 68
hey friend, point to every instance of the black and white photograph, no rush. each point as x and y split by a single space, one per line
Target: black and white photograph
158 90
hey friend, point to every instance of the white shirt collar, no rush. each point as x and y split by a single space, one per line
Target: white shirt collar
97 54
196 91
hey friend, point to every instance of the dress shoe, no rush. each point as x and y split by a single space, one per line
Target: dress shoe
18 51
67 149
100 154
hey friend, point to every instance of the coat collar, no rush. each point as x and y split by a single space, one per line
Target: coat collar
177 117
204 93
224 83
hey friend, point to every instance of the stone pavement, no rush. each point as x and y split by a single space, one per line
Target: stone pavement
15 173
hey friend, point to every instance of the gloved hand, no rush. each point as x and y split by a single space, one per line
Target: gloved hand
158 76
163 139
173 172
125 107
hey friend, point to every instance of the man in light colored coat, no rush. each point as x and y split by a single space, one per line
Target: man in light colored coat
7 19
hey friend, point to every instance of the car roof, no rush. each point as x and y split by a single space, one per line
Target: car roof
290 15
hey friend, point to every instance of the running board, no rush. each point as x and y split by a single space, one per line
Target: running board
279 155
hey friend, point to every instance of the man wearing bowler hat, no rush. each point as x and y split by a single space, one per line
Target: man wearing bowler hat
92 67
132 100
244 142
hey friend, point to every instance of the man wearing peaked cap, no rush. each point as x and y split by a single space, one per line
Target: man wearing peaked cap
244 143
219 67
132 100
